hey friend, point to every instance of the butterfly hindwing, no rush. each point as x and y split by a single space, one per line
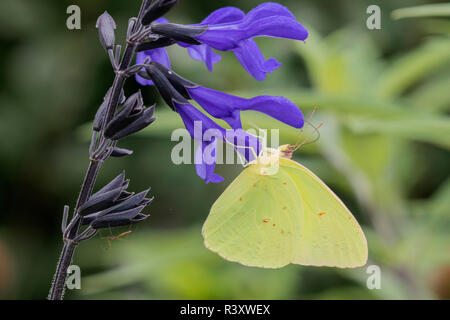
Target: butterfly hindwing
251 224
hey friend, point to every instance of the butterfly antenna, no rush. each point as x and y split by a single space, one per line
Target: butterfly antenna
298 144
316 130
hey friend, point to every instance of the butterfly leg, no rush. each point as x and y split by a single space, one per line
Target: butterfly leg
244 161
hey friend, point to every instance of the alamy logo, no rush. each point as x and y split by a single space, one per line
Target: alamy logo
374 20
73 22
248 145
374 280
73 280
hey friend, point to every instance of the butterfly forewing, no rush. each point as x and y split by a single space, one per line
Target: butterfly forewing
329 234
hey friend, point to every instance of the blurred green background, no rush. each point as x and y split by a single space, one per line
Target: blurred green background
384 98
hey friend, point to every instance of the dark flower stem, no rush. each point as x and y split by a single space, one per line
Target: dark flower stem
58 285
57 289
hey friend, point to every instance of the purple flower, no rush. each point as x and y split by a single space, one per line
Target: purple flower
176 91
269 20
227 107
228 29
204 165
204 52
266 20
207 133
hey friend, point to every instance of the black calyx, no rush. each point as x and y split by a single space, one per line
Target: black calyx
166 89
179 32
131 117
156 9
118 207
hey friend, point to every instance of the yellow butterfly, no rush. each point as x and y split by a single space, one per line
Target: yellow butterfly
277 212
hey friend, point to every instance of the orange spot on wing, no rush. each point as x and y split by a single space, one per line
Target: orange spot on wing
240 199
266 220
273 225
321 213
284 182
254 185
284 208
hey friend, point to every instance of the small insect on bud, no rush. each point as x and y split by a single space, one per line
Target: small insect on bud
156 10
106 25
179 32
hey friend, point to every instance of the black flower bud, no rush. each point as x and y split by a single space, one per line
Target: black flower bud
120 206
120 152
97 124
100 202
105 197
156 10
161 42
179 32
115 183
165 88
130 111
124 127
106 25
178 82
120 218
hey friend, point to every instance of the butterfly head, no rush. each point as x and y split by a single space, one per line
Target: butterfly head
286 151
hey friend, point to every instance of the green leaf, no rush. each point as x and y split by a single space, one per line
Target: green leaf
433 130
433 96
430 10
413 66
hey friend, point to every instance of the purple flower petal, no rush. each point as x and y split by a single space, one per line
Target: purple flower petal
269 9
159 55
253 61
227 107
268 19
226 37
205 158
190 115
204 165
204 54
224 15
